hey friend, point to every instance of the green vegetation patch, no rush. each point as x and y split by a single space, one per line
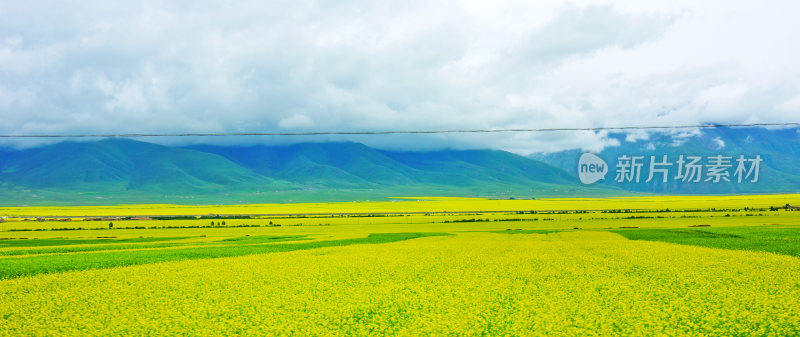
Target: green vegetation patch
265 238
93 248
25 266
766 239
96 248
6 242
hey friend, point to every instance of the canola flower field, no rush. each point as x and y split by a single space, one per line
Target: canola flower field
416 204
629 266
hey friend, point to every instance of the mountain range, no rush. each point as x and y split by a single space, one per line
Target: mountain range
116 171
124 170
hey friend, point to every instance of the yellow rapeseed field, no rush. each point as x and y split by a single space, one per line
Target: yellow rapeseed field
559 274
558 284
418 204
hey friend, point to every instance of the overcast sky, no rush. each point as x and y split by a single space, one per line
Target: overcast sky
260 66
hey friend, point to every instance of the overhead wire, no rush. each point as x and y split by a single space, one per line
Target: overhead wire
390 132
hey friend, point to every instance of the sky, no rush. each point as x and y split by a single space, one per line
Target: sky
291 66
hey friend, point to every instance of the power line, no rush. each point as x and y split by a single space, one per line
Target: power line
389 132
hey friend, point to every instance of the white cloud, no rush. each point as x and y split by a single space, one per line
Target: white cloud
637 135
681 136
718 143
296 122
153 66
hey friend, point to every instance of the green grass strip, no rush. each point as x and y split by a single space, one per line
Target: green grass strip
83 249
26 266
766 239
262 239
97 248
5 242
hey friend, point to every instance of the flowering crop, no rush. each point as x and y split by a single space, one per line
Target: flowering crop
415 204
471 283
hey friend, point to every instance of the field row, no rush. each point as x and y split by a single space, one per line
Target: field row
556 220
415 205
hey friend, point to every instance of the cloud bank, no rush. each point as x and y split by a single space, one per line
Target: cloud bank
255 66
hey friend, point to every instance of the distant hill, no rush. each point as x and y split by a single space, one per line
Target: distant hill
129 171
356 165
125 171
779 172
121 165
348 165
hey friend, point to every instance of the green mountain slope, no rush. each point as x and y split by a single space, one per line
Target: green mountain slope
127 171
356 165
475 167
121 165
319 164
